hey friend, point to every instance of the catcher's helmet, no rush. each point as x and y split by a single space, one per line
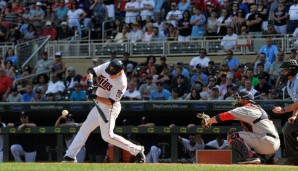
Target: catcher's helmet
245 95
292 65
114 67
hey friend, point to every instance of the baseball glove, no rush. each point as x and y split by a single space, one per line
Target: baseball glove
204 121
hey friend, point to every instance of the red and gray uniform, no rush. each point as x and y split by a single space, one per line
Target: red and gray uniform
259 132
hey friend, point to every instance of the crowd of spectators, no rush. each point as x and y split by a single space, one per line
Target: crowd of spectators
145 20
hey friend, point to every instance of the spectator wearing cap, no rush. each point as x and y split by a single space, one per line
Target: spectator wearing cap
146 88
26 144
39 96
232 61
229 41
174 15
147 7
29 95
55 87
249 87
61 14
68 121
78 94
42 64
135 34
262 59
72 79
181 87
210 70
160 93
126 61
201 59
184 71
199 73
14 96
132 93
197 21
50 31
214 3
132 9
64 31
240 71
262 86
37 14
58 67
215 94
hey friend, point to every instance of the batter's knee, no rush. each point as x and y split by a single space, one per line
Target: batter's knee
108 137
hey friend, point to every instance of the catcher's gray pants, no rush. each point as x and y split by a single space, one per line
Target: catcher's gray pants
290 139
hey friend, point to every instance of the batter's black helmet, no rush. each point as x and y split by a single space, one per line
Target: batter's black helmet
114 67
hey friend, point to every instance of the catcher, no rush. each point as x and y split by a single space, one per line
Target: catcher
259 135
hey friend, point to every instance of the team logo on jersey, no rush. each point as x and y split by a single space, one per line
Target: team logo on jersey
119 94
103 83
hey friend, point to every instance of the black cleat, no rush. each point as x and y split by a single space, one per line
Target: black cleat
67 159
140 157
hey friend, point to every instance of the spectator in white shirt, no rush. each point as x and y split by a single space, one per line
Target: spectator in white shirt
56 87
201 59
131 93
132 9
174 15
229 41
147 7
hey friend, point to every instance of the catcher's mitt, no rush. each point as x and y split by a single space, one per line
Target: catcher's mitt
205 119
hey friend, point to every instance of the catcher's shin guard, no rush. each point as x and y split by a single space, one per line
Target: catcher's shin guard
238 144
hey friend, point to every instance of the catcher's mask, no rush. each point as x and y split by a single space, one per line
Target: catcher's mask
243 95
114 67
289 69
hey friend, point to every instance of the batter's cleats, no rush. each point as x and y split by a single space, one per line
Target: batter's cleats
250 161
67 159
140 157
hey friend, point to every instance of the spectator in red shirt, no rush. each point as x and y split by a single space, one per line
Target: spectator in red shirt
5 84
49 30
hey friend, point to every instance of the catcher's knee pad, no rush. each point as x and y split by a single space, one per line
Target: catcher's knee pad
238 144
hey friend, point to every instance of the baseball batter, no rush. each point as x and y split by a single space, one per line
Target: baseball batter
259 133
112 83
289 71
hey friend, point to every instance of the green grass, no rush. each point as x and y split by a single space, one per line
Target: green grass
137 167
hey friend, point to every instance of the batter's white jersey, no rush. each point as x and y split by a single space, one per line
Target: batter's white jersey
292 88
107 87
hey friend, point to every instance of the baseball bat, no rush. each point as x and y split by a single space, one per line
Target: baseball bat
103 116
